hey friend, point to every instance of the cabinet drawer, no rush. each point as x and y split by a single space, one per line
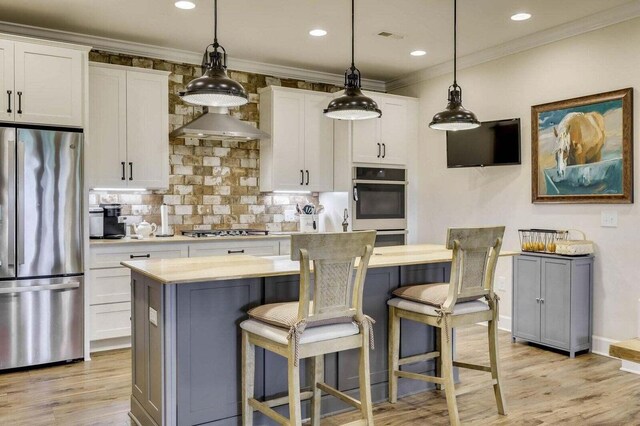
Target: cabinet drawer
110 285
110 257
110 320
255 247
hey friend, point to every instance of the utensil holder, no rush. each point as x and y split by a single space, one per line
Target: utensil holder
309 223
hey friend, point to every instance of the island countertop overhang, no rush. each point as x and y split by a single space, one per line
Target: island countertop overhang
230 267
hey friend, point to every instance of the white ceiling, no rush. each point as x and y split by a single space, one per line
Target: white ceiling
276 31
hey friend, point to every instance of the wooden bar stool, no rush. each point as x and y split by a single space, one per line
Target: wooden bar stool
328 318
449 305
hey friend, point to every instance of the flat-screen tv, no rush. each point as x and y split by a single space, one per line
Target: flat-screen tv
494 143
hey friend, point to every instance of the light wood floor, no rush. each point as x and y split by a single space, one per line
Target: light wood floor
542 387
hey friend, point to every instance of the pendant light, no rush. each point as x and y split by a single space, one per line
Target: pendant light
214 88
455 117
353 104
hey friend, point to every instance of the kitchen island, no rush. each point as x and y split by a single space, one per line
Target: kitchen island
186 339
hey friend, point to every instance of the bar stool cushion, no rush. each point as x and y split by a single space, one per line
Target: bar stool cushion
285 315
310 335
431 294
423 308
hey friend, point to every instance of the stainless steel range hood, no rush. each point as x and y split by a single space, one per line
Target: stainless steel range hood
217 124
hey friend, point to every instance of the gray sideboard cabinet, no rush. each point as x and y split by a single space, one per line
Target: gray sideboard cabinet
553 301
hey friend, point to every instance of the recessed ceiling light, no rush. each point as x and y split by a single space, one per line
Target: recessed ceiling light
184 4
522 16
418 53
318 32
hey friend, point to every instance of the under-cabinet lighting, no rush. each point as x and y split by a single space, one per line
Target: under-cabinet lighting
418 53
292 192
119 189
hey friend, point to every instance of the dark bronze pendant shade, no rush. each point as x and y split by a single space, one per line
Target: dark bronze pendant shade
455 116
214 88
353 104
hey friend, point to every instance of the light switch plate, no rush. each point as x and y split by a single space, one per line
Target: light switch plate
501 285
609 219
153 316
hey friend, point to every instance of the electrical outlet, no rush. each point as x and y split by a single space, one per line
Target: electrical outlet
609 219
290 215
153 316
501 284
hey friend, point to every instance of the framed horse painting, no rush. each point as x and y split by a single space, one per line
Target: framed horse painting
582 149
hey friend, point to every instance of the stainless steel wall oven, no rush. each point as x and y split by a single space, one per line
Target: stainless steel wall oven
379 199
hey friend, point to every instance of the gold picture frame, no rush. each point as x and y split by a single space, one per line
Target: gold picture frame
582 149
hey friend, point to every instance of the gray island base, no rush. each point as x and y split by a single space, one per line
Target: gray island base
186 339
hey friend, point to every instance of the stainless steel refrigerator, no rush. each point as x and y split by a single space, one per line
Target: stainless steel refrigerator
41 267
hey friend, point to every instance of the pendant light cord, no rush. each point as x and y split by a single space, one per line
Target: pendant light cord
215 21
353 20
455 42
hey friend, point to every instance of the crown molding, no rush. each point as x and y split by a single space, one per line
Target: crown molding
587 24
180 56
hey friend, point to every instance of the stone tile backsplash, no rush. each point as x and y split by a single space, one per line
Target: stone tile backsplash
212 184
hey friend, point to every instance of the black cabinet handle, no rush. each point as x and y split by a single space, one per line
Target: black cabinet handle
130 170
9 96
19 102
301 177
307 177
384 150
378 150
235 251
139 256
123 170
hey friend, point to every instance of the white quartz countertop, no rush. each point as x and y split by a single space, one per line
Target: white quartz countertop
185 239
229 267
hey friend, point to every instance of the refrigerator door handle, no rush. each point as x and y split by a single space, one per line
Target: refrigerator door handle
20 210
49 287
7 202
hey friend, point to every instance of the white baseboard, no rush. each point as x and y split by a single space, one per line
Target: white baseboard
110 344
630 367
504 323
600 345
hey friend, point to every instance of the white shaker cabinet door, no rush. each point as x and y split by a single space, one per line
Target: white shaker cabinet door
107 136
288 141
367 146
48 85
147 130
394 131
7 92
318 144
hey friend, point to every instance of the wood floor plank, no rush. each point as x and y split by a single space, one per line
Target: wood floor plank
541 388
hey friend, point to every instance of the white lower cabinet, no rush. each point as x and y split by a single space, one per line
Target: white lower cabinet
256 248
109 288
110 321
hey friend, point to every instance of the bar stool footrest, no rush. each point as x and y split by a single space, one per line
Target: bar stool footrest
340 395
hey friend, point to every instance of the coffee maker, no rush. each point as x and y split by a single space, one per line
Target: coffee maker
113 222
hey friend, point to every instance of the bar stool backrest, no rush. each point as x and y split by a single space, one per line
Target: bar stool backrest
336 291
475 254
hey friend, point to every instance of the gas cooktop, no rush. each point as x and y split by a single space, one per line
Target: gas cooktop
224 233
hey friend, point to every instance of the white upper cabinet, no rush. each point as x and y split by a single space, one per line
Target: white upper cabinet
7 106
299 154
129 128
48 84
383 140
42 82
318 143
107 127
148 129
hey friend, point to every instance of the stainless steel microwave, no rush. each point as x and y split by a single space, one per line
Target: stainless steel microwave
379 199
